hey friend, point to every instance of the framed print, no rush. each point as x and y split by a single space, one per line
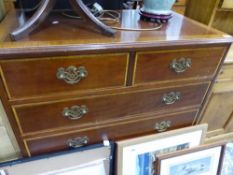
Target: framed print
137 156
227 167
203 160
95 159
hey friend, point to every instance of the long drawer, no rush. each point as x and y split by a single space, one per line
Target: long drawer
43 76
177 64
147 125
82 113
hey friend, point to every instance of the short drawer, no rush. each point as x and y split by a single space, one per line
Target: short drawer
147 125
82 113
177 64
43 76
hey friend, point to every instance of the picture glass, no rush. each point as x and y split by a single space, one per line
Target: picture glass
227 168
204 162
96 167
84 161
194 167
145 161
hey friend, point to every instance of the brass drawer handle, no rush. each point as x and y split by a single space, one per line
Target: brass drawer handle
72 74
75 112
181 65
171 98
78 142
163 126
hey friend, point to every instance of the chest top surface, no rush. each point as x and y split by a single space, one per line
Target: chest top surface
68 33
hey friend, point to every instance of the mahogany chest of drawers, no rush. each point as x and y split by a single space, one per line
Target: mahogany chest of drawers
67 87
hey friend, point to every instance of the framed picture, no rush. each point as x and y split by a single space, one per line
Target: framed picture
227 167
203 160
138 155
95 159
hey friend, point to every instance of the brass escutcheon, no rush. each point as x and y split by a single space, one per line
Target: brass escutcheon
78 142
75 112
72 75
181 65
163 126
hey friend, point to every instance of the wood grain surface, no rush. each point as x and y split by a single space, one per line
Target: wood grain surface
103 110
150 66
115 131
180 31
118 108
26 78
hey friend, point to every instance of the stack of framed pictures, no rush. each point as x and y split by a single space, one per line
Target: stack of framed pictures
178 152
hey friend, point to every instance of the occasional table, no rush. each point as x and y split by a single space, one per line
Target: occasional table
44 10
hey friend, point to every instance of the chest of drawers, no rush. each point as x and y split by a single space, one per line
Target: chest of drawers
67 87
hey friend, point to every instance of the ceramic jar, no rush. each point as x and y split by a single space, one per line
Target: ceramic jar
157 6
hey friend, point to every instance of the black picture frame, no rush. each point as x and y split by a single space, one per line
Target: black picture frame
108 150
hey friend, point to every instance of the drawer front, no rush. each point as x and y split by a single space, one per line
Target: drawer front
147 125
35 77
177 64
108 109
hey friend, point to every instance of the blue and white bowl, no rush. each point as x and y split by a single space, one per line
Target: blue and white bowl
161 7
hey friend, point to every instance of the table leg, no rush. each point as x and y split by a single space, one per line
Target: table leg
39 16
47 6
81 9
